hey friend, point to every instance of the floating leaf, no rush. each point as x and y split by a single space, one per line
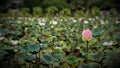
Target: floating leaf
42 40
72 59
51 38
57 43
4 31
34 47
93 41
48 58
2 53
28 58
97 32
59 54
84 66
56 64
23 51
47 51
96 56
43 46
90 65
112 59
16 33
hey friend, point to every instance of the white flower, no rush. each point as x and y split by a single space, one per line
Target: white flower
61 19
14 42
19 22
29 18
117 22
80 19
65 20
74 20
108 43
97 17
20 18
43 20
94 26
39 19
1 38
89 19
32 19
105 43
52 26
111 42
106 21
86 22
41 23
102 22
55 22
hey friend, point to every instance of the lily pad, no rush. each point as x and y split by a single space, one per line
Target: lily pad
34 47
97 56
48 58
72 59
97 32
28 58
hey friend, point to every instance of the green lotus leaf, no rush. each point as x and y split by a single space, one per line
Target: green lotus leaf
112 58
84 66
59 54
23 50
59 51
16 48
51 38
89 65
16 33
93 41
4 31
57 43
72 59
97 32
42 40
60 57
43 46
48 58
33 47
47 51
97 56
56 64
27 57
2 53
83 51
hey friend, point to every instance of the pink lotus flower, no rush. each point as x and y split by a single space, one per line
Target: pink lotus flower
86 35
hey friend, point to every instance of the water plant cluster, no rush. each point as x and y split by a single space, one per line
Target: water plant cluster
57 42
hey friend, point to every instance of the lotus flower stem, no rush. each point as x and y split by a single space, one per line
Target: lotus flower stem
37 60
29 65
87 52
73 66
51 66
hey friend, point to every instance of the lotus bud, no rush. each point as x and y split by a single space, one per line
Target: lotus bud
86 35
